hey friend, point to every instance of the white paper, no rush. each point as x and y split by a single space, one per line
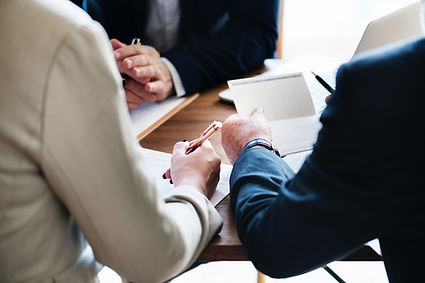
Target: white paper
281 97
287 106
294 135
149 113
158 162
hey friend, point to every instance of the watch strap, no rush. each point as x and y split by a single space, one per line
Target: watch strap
262 142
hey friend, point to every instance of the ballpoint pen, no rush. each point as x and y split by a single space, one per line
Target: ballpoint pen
206 134
323 83
194 144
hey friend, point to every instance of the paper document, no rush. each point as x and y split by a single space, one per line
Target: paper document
151 115
159 162
287 105
324 66
281 97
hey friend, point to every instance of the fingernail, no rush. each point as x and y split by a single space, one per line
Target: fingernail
184 140
117 55
163 176
171 181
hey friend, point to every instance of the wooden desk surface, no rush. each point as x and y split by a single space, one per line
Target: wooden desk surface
188 124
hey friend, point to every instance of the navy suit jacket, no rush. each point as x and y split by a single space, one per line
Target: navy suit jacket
220 39
363 180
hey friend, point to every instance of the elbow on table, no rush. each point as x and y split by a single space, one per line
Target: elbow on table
277 258
282 266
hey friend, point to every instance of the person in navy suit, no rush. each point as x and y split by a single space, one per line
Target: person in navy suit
187 45
363 180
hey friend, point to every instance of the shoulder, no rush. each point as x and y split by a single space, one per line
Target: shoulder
408 56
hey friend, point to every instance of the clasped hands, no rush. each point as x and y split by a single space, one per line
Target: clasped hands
149 78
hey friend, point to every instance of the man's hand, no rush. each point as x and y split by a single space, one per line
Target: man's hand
238 131
328 98
199 169
150 80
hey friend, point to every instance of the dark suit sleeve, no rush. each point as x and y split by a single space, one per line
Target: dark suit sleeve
293 224
248 37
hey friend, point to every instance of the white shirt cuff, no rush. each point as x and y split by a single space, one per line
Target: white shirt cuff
178 85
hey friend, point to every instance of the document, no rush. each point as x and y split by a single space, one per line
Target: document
151 115
287 105
158 162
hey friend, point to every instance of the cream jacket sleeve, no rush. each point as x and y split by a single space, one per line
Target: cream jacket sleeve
94 166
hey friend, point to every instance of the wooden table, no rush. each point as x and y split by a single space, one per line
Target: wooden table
188 124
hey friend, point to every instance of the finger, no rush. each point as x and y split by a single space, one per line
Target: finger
136 61
167 174
130 73
116 44
133 98
180 148
131 50
139 90
159 88
146 72
257 110
328 98
132 106
258 114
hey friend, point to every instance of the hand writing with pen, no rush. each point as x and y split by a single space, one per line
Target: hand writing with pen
196 163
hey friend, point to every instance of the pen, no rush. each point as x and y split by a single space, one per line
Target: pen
194 144
206 134
125 77
323 83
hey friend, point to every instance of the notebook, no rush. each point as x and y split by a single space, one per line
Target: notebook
150 116
287 105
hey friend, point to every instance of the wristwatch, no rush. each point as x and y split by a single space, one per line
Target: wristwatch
262 142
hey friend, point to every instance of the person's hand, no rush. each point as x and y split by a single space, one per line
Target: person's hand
327 98
238 131
149 78
199 169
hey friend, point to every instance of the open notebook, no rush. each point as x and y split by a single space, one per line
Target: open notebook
159 162
287 105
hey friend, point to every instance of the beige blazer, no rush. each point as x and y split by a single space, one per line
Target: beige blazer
70 169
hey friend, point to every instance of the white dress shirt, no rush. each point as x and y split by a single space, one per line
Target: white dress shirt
70 168
162 32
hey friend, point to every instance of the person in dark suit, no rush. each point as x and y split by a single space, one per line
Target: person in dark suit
363 180
211 42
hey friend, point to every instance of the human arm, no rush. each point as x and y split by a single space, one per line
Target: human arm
223 40
292 224
95 167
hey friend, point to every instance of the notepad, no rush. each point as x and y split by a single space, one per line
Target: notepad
159 162
150 116
287 105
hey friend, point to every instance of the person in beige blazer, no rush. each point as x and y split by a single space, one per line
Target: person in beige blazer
71 170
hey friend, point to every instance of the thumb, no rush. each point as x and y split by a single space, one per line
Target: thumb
180 148
258 115
257 110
